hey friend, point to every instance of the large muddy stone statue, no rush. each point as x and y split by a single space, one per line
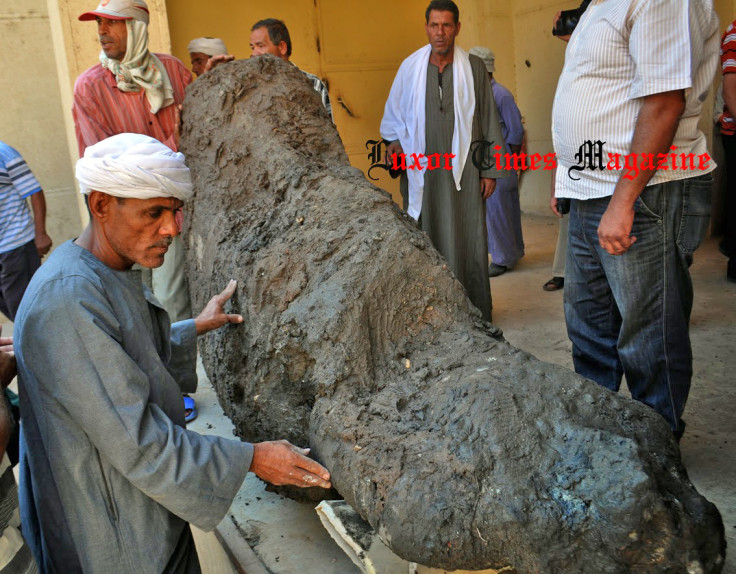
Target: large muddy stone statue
459 449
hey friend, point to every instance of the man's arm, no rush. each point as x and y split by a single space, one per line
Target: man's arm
108 396
655 129
552 198
183 363
90 125
7 373
43 241
511 117
490 127
7 361
7 423
729 93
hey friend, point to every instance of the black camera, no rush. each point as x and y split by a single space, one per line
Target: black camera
569 19
563 205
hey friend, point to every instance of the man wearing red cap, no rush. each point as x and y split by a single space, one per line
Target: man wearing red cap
133 90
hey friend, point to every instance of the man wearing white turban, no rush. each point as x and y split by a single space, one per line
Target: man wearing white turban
202 49
133 90
110 476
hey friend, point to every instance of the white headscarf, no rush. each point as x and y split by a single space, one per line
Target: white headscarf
139 68
134 165
209 46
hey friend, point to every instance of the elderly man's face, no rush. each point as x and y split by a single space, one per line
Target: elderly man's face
134 230
260 43
441 31
113 35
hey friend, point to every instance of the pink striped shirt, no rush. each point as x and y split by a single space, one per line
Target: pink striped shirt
101 110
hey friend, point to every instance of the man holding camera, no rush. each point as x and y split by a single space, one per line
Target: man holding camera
636 73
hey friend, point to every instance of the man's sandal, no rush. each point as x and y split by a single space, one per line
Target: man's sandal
554 284
190 409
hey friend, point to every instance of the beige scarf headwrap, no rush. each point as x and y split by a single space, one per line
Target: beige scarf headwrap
140 68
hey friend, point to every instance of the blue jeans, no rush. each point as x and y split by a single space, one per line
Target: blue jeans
629 314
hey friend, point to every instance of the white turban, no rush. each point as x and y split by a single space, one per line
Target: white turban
487 55
134 165
209 46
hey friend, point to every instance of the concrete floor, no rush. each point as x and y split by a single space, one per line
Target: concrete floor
533 320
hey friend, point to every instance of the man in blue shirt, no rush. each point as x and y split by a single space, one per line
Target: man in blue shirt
23 238
110 475
503 212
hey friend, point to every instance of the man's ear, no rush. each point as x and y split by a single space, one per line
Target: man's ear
99 204
282 48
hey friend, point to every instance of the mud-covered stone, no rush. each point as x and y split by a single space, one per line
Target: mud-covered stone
459 449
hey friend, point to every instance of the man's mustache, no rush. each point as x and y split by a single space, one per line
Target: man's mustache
164 243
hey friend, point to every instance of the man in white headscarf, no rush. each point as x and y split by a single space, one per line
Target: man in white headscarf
110 477
202 49
439 104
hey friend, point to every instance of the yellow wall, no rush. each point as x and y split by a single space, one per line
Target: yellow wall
355 47
539 57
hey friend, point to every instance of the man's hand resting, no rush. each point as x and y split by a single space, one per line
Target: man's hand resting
282 463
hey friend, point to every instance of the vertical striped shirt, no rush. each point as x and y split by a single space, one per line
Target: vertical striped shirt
728 66
16 184
321 89
621 52
101 110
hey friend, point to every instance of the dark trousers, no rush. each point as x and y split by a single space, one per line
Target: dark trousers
729 145
17 266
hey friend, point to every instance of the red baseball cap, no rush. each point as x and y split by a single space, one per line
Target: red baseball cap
119 10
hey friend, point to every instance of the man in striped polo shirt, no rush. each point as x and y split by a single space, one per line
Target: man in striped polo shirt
635 77
728 134
23 238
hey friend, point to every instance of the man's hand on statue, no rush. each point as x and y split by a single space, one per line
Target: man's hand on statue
215 61
487 187
281 463
391 149
614 230
213 315
43 244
